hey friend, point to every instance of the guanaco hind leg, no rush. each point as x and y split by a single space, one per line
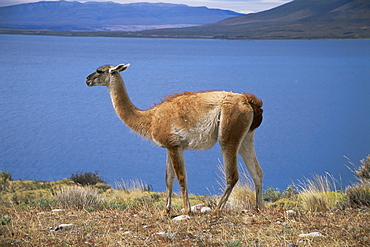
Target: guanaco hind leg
250 160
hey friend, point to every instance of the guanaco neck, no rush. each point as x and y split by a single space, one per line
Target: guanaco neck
138 120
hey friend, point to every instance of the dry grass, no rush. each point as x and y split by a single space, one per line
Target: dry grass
319 193
133 218
135 227
77 197
137 185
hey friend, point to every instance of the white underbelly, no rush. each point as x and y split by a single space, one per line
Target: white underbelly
201 136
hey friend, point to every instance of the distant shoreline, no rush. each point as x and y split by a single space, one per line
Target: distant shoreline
143 35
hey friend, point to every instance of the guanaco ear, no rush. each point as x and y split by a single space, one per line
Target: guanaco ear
119 68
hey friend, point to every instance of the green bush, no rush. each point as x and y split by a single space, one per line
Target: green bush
148 199
274 194
43 203
5 220
87 178
271 194
284 203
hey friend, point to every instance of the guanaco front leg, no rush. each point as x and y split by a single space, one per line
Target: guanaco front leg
170 178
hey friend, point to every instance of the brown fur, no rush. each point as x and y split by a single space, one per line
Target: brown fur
256 104
191 120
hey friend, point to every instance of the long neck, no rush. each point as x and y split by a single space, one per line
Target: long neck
139 121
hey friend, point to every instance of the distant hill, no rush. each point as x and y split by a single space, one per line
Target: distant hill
299 19
106 16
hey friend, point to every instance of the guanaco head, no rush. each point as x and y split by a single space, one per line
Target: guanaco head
102 76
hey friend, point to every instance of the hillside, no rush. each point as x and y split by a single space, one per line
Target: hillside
106 16
299 19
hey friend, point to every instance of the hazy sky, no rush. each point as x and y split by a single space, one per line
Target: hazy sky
242 6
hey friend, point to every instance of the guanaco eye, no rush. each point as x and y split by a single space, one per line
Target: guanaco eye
100 71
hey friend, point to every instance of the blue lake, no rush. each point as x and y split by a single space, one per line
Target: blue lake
316 98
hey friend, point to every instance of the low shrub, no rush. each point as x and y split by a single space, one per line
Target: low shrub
87 178
284 203
148 200
358 194
44 203
273 194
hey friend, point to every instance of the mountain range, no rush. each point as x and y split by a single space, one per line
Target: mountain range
298 19
106 16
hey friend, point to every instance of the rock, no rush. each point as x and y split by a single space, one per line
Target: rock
200 208
57 210
311 234
61 226
65 225
286 224
249 220
205 209
292 245
290 213
181 217
127 232
197 208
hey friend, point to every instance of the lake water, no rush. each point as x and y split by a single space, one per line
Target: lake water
316 105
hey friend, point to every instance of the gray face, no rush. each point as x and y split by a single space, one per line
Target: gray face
99 78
